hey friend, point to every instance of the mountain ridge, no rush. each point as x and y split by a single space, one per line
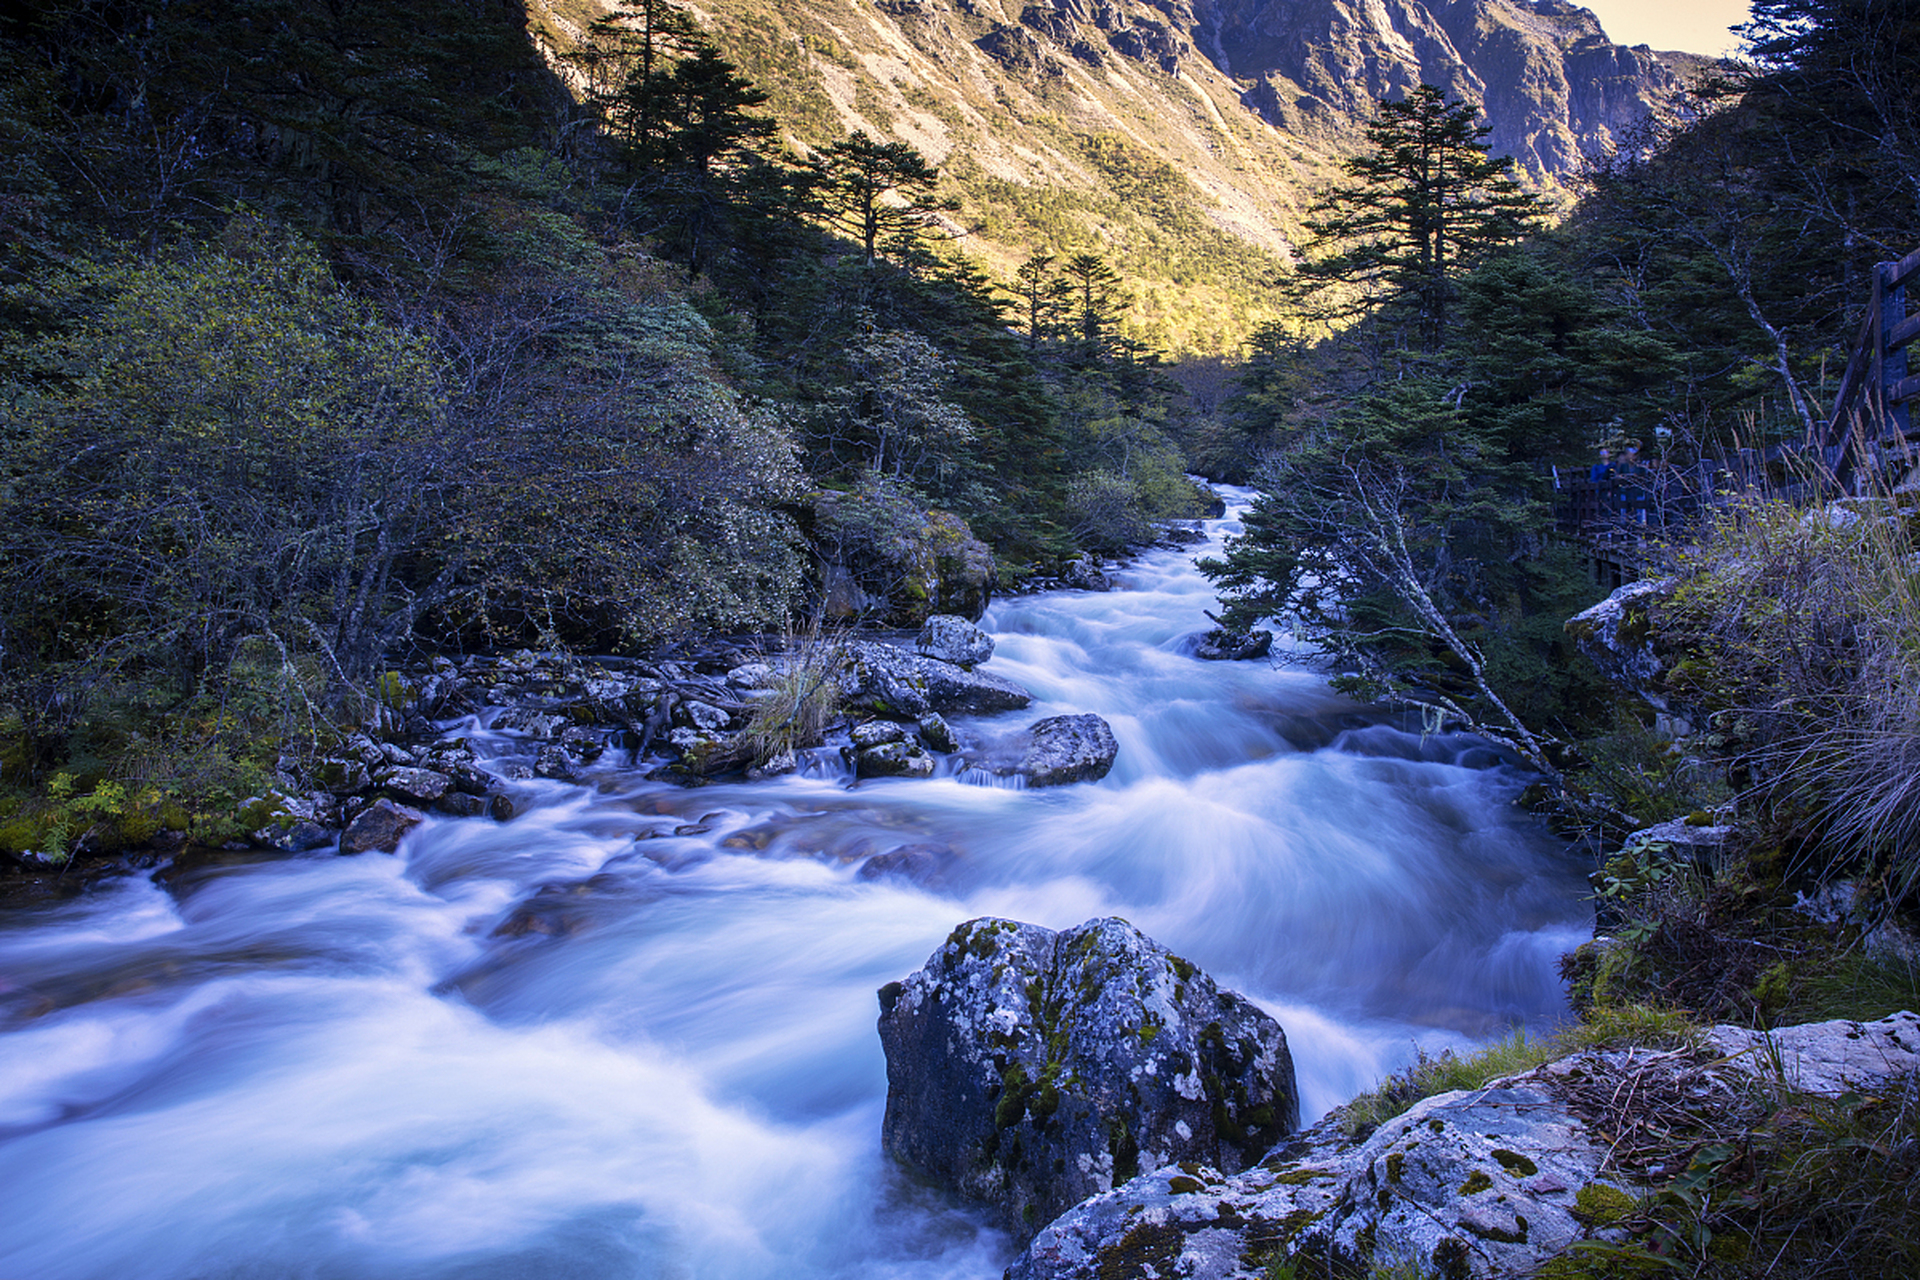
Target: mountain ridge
1182 139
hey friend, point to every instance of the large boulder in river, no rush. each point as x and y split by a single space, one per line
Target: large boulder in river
1064 749
890 681
953 639
1029 1069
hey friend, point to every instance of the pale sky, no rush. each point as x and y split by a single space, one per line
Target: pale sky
1693 26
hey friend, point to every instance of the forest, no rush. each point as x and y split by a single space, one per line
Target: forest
339 335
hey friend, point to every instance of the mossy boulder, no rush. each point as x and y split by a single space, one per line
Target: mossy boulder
1028 1069
884 559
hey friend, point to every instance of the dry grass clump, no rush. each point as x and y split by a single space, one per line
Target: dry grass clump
1802 628
803 698
1745 1178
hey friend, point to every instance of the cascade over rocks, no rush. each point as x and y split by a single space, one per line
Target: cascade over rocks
1485 1182
1029 1069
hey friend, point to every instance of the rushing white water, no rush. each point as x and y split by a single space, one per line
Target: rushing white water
666 1066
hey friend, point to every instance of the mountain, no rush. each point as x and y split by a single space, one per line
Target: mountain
1181 139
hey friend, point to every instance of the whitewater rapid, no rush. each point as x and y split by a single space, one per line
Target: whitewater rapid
630 1033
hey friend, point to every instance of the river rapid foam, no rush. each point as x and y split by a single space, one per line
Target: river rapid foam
630 1033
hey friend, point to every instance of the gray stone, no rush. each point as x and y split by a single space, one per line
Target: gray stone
893 760
694 714
554 762
1826 1057
875 732
1479 1183
423 786
1085 574
895 682
752 675
1065 749
1028 1069
530 721
1618 636
936 732
379 827
305 836
459 804
954 639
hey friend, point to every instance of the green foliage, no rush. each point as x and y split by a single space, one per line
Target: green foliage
1445 1072
1426 204
227 446
1797 627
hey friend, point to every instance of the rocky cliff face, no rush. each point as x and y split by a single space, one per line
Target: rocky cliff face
1554 88
1179 138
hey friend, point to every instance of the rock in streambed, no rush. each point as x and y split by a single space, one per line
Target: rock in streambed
1029 1069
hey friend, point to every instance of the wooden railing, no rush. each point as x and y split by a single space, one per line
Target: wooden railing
1872 422
1869 433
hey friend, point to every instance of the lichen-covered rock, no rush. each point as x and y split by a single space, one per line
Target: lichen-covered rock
1826 1057
1028 1069
1085 574
875 732
423 786
954 639
893 681
379 828
896 759
1067 749
1489 1182
1617 636
936 732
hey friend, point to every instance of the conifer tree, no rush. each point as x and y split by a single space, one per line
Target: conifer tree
1426 204
883 194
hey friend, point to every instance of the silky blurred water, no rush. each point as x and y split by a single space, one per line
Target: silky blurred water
667 1066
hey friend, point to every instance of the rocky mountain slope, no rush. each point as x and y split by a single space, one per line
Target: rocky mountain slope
1182 139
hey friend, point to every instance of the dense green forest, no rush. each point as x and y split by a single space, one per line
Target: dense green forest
339 335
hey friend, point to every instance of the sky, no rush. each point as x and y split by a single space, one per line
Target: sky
1693 26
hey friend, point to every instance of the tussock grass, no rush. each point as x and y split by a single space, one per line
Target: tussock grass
805 698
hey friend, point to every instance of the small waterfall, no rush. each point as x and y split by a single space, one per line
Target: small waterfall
630 1032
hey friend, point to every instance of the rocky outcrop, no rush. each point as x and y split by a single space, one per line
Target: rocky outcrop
1028 1069
890 681
1066 749
1619 636
883 559
954 639
1488 1182
1553 87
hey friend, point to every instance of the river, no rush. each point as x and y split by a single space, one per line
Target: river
630 1033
